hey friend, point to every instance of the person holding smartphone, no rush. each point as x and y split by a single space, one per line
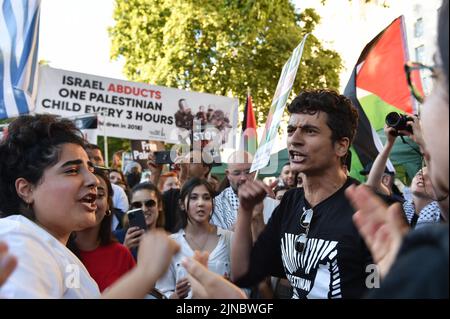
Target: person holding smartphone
147 197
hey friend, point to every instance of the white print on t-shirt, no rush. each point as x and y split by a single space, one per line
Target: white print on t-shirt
72 276
314 272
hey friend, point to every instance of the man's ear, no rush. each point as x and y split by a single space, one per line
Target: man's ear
341 146
24 190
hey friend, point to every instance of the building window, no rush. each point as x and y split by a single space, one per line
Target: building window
418 28
420 54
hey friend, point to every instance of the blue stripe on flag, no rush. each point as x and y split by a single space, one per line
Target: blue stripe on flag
25 14
11 25
28 44
33 66
34 60
21 101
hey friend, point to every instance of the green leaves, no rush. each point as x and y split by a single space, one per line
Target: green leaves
220 46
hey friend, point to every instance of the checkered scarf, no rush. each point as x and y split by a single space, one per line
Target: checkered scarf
429 214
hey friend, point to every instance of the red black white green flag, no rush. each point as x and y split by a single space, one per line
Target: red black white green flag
249 135
378 86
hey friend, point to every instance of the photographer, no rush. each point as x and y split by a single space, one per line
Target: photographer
377 171
415 265
422 209
403 125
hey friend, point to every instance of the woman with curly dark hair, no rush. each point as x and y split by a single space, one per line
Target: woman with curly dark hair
48 191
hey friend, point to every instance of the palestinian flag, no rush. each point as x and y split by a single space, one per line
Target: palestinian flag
249 136
378 86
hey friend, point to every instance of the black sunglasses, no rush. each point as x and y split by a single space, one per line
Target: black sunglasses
148 203
103 168
305 223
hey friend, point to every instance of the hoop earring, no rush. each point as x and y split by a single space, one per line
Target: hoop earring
108 212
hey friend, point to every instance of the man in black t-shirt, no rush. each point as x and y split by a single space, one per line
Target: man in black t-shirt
310 238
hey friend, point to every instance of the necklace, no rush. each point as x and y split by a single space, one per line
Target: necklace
194 244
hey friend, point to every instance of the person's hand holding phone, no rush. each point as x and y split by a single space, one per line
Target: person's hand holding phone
182 289
155 169
163 157
133 237
137 226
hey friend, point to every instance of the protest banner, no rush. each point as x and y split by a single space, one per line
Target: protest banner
140 150
137 110
280 97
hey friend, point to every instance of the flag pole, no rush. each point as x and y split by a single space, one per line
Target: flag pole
248 94
105 142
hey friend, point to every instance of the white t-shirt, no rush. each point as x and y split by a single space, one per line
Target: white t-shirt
219 261
120 201
46 268
269 206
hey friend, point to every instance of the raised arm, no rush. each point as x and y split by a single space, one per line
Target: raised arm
250 194
376 172
156 250
155 170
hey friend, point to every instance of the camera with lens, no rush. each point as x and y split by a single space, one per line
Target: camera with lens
399 122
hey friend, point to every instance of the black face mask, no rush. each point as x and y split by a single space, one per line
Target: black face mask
133 179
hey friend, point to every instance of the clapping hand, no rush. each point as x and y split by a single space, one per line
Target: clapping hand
381 227
206 284
7 263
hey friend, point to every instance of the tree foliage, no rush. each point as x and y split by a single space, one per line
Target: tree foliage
220 46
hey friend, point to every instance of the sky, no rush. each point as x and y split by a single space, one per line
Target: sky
74 36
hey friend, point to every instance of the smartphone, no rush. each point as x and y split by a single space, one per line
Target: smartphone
163 157
136 218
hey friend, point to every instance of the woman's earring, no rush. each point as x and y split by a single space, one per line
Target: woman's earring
108 212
